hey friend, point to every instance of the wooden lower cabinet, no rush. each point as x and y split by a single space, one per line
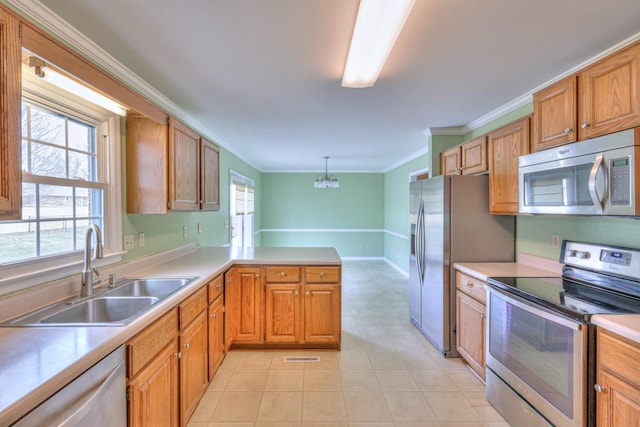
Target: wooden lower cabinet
617 381
470 322
283 313
216 335
322 308
244 301
194 361
153 393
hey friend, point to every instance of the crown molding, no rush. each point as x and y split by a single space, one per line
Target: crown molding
447 131
53 24
401 162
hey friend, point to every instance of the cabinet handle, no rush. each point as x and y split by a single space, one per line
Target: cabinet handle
179 355
213 315
599 388
257 276
307 293
468 285
482 315
282 274
219 285
187 345
322 274
296 293
585 125
568 130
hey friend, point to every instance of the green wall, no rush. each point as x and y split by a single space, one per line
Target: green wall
349 218
164 231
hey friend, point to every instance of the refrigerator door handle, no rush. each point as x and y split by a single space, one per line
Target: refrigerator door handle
420 243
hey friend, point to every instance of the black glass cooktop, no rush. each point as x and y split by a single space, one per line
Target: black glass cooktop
575 299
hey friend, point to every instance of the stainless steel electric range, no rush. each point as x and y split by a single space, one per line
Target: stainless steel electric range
540 342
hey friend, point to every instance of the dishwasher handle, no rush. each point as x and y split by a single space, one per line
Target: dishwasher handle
82 407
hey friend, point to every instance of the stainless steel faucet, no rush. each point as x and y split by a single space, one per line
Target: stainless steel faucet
87 272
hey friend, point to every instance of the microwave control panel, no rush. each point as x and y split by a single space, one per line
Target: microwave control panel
620 187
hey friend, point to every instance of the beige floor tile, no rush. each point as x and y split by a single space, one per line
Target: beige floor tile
278 424
476 398
416 361
223 424
366 406
197 424
254 360
323 406
488 413
207 405
220 380
277 361
465 380
359 380
432 380
247 380
230 360
391 380
409 406
281 406
237 406
282 380
317 380
419 424
497 424
371 424
354 361
325 424
465 424
451 406
386 360
328 361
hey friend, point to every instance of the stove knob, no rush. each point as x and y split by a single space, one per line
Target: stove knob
584 255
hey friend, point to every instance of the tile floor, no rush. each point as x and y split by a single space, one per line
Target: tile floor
387 374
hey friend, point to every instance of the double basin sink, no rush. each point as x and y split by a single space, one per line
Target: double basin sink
117 305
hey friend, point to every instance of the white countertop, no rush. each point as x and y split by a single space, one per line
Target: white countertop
625 325
37 361
483 270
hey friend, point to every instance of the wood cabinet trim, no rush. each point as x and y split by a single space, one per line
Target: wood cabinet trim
147 344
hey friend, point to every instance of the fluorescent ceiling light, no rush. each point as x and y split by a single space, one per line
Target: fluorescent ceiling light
74 87
378 25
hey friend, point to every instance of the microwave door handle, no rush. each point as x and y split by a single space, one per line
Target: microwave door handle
593 190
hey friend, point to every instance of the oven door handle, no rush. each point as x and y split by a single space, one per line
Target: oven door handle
540 312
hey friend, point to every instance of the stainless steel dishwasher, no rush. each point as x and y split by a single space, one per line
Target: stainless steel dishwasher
96 398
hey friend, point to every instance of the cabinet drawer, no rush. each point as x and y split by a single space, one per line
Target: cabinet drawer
323 275
618 357
283 274
148 343
192 306
471 286
216 287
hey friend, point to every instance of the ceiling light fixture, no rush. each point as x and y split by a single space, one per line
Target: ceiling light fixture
72 86
378 25
326 180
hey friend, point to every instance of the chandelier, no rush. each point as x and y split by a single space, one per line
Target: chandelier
326 180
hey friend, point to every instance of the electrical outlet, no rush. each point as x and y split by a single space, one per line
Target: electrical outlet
140 239
128 242
184 231
555 241
199 228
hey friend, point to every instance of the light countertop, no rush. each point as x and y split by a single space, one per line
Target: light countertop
483 270
625 325
35 362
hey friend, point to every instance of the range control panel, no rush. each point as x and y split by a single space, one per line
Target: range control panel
601 258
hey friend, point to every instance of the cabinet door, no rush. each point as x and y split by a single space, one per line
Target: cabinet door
470 316
618 404
609 95
505 145
10 163
216 336
322 314
450 162
146 165
555 115
153 394
244 305
474 156
194 366
283 313
210 176
184 167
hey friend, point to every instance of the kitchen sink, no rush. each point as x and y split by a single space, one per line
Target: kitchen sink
113 305
159 288
102 310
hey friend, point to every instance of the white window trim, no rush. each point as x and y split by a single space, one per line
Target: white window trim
21 275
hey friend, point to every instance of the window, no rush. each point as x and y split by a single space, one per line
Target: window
242 195
70 179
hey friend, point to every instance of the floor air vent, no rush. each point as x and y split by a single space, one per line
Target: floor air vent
302 359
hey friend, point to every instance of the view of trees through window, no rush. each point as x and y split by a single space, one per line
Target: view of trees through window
61 192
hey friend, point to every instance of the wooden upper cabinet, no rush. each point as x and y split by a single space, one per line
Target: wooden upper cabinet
184 167
450 161
555 118
169 167
10 163
505 146
209 176
609 94
474 156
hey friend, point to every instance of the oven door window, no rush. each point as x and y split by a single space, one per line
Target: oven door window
537 350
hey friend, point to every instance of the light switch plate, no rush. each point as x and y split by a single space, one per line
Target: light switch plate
128 242
140 239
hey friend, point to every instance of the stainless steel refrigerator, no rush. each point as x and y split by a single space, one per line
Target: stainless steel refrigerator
450 222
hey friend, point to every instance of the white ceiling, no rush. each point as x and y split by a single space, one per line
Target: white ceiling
262 77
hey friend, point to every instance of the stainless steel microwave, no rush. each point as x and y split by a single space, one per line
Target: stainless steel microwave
598 176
